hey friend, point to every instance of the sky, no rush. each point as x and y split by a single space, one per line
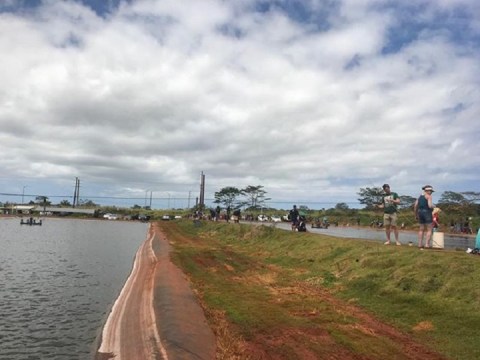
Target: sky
311 99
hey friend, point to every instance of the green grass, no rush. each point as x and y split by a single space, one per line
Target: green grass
230 264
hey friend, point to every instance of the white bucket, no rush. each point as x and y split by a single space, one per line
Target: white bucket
437 240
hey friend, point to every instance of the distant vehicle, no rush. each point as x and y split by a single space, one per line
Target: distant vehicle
262 217
111 216
275 218
178 217
143 217
320 224
166 217
286 217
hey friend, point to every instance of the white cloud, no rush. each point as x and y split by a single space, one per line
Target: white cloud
153 94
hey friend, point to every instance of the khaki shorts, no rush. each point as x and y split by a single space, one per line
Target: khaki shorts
390 219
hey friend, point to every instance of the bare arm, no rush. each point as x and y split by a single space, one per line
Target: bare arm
429 201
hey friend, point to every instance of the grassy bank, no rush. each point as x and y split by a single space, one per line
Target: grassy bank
308 296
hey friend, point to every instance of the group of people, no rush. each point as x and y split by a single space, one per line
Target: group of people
424 213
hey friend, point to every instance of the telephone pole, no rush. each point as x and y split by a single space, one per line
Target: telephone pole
76 192
202 192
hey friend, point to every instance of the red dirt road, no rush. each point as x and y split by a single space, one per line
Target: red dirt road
156 315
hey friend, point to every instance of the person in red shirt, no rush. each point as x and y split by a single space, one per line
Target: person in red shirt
435 216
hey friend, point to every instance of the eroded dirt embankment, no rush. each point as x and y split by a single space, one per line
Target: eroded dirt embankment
156 315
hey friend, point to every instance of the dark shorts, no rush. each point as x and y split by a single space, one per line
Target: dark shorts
425 217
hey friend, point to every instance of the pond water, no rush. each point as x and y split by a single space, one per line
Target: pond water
58 282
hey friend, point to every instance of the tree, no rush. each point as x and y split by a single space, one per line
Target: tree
42 200
406 202
255 196
342 207
65 203
472 196
459 202
228 197
370 197
87 203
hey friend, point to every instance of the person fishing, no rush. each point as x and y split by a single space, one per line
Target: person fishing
390 200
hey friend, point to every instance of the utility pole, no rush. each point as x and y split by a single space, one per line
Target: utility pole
202 192
76 192
23 192
151 199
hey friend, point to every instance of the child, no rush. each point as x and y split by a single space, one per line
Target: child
435 215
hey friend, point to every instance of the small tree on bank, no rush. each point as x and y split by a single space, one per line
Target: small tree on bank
228 197
370 197
255 196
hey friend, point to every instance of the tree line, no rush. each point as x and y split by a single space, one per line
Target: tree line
251 197
254 197
449 201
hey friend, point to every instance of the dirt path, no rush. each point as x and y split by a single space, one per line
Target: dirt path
156 315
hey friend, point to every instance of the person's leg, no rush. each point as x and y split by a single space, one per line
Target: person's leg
387 234
420 235
428 235
393 224
395 232
386 223
428 222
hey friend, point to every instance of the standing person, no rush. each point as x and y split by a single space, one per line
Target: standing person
228 213
294 217
390 200
423 209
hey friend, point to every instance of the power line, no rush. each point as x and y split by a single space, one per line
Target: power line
92 197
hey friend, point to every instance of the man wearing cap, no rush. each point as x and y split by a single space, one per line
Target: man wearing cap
423 209
390 200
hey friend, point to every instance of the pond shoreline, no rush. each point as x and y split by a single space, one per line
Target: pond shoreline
156 314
